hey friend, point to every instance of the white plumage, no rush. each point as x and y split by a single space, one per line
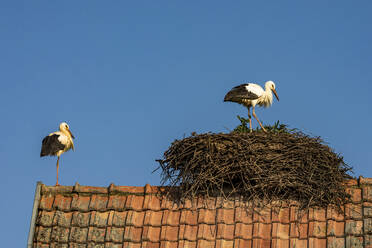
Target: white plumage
250 95
57 143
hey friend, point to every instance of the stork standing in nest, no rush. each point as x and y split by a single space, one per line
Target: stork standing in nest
250 95
57 143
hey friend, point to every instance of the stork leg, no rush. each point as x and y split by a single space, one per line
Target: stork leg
57 184
254 115
250 119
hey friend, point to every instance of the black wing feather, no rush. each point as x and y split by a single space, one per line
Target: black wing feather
238 93
51 145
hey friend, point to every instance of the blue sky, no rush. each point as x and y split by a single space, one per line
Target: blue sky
131 76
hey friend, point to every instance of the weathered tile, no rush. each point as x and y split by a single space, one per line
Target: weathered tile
134 202
45 218
43 234
98 202
334 242
119 218
59 234
79 234
317 229
189 217
353 227
132 234
80 203
62 219
153 218
80 219
96 234
135 218
335 228
62 202
354 242
115 234
116 202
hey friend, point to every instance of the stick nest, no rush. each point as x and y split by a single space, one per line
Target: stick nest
278 165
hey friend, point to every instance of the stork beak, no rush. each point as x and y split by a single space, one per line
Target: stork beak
276 95
71 133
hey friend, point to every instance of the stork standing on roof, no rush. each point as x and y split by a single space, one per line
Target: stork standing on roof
57 143
250 95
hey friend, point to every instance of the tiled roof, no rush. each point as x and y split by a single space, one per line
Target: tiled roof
131 217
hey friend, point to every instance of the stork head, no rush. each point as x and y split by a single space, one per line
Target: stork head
270 85
64 127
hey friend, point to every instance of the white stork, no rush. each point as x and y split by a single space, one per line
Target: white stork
57 143
251 94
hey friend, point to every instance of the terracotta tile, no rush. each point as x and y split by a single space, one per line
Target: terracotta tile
46 202
263 231
169 233
367 193
294 230
207 232
60 234
356 194
45 218
40 245
334 214
365 180
367 209
112 245
132 234
261 243
316 243
99 219
220 243
367 241
188 204
282 215
169 204
62 202
189 217
207 203
207 216
98 202
242 243
187 244
58 245
190 232
221 202
294 243
280 243
317 229
317 214
263 215
115 234
95 245
243 215
368 225
43 234
80 219
280 231
334 242
135 218
152 202
148 244
132 245
171 217
168 244
335 228
62 219
151 233
80 203
78 234
225 216
294 214
96 234
352 241
243 231
153 218
351 182
206 244
353 211
116 202
353 227
134 202
225 231
119 218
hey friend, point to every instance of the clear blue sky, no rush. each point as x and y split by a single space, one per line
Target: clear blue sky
131 76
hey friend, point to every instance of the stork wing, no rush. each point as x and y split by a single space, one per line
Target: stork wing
240 92
51 145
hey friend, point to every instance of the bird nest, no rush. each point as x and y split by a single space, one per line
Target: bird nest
280 165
